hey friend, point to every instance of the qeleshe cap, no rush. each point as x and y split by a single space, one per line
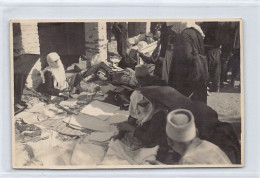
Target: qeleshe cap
180 125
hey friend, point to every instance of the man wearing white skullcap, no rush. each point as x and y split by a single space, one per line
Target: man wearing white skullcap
182 137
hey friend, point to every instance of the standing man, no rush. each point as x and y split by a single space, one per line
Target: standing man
213 52
189 72
120 31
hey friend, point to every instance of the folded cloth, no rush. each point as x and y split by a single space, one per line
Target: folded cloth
70 103
52 107
87 154
119 117
27 117
37 107
100 136
60 126
83 121
111 158
99 109
137 157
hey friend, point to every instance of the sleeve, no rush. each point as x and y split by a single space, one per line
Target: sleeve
156 124
156 52
147 59
187 48
49 88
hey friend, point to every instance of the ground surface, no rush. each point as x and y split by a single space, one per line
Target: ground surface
227 103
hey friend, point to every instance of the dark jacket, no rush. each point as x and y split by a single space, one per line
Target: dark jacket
182 75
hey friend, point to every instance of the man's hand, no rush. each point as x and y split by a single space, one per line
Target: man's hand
125 126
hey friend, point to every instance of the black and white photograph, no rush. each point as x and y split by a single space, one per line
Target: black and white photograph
143 93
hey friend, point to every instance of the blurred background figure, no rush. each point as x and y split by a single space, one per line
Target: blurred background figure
189 71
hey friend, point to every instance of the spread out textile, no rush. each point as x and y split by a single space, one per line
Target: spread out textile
99 109
87 154
122 152
119 117
82 121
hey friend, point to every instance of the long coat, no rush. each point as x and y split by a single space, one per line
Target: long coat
182 64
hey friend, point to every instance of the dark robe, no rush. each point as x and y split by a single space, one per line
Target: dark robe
182 64
152 133
48 86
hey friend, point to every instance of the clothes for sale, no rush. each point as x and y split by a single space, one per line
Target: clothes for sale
101 136
60 126
99 109
70 103
119 117
87 154
83 121
137 157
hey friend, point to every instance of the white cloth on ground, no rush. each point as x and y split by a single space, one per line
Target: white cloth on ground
137 157
87 154
82 121
70 103
48 152
27 117
101 136
99 109
119 117
36 108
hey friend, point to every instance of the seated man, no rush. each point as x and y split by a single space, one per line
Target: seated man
154 57
182 137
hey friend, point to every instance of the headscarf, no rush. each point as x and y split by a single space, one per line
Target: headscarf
57 70
141 108
178 27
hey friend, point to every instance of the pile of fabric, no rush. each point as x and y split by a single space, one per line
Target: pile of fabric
49 136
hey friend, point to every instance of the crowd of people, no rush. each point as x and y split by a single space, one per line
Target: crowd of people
168 105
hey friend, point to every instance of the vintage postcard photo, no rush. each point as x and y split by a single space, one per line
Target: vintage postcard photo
144 93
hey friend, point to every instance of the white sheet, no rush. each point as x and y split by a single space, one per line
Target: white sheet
119 117
120 152
88 122
87 154
100 109
100 136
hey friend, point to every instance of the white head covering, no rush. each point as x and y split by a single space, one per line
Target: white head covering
140 108
57 70
178 27
180 125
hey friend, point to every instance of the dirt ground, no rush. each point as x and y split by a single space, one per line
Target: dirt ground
227 103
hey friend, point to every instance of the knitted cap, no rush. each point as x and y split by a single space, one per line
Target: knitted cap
141 71
180 125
